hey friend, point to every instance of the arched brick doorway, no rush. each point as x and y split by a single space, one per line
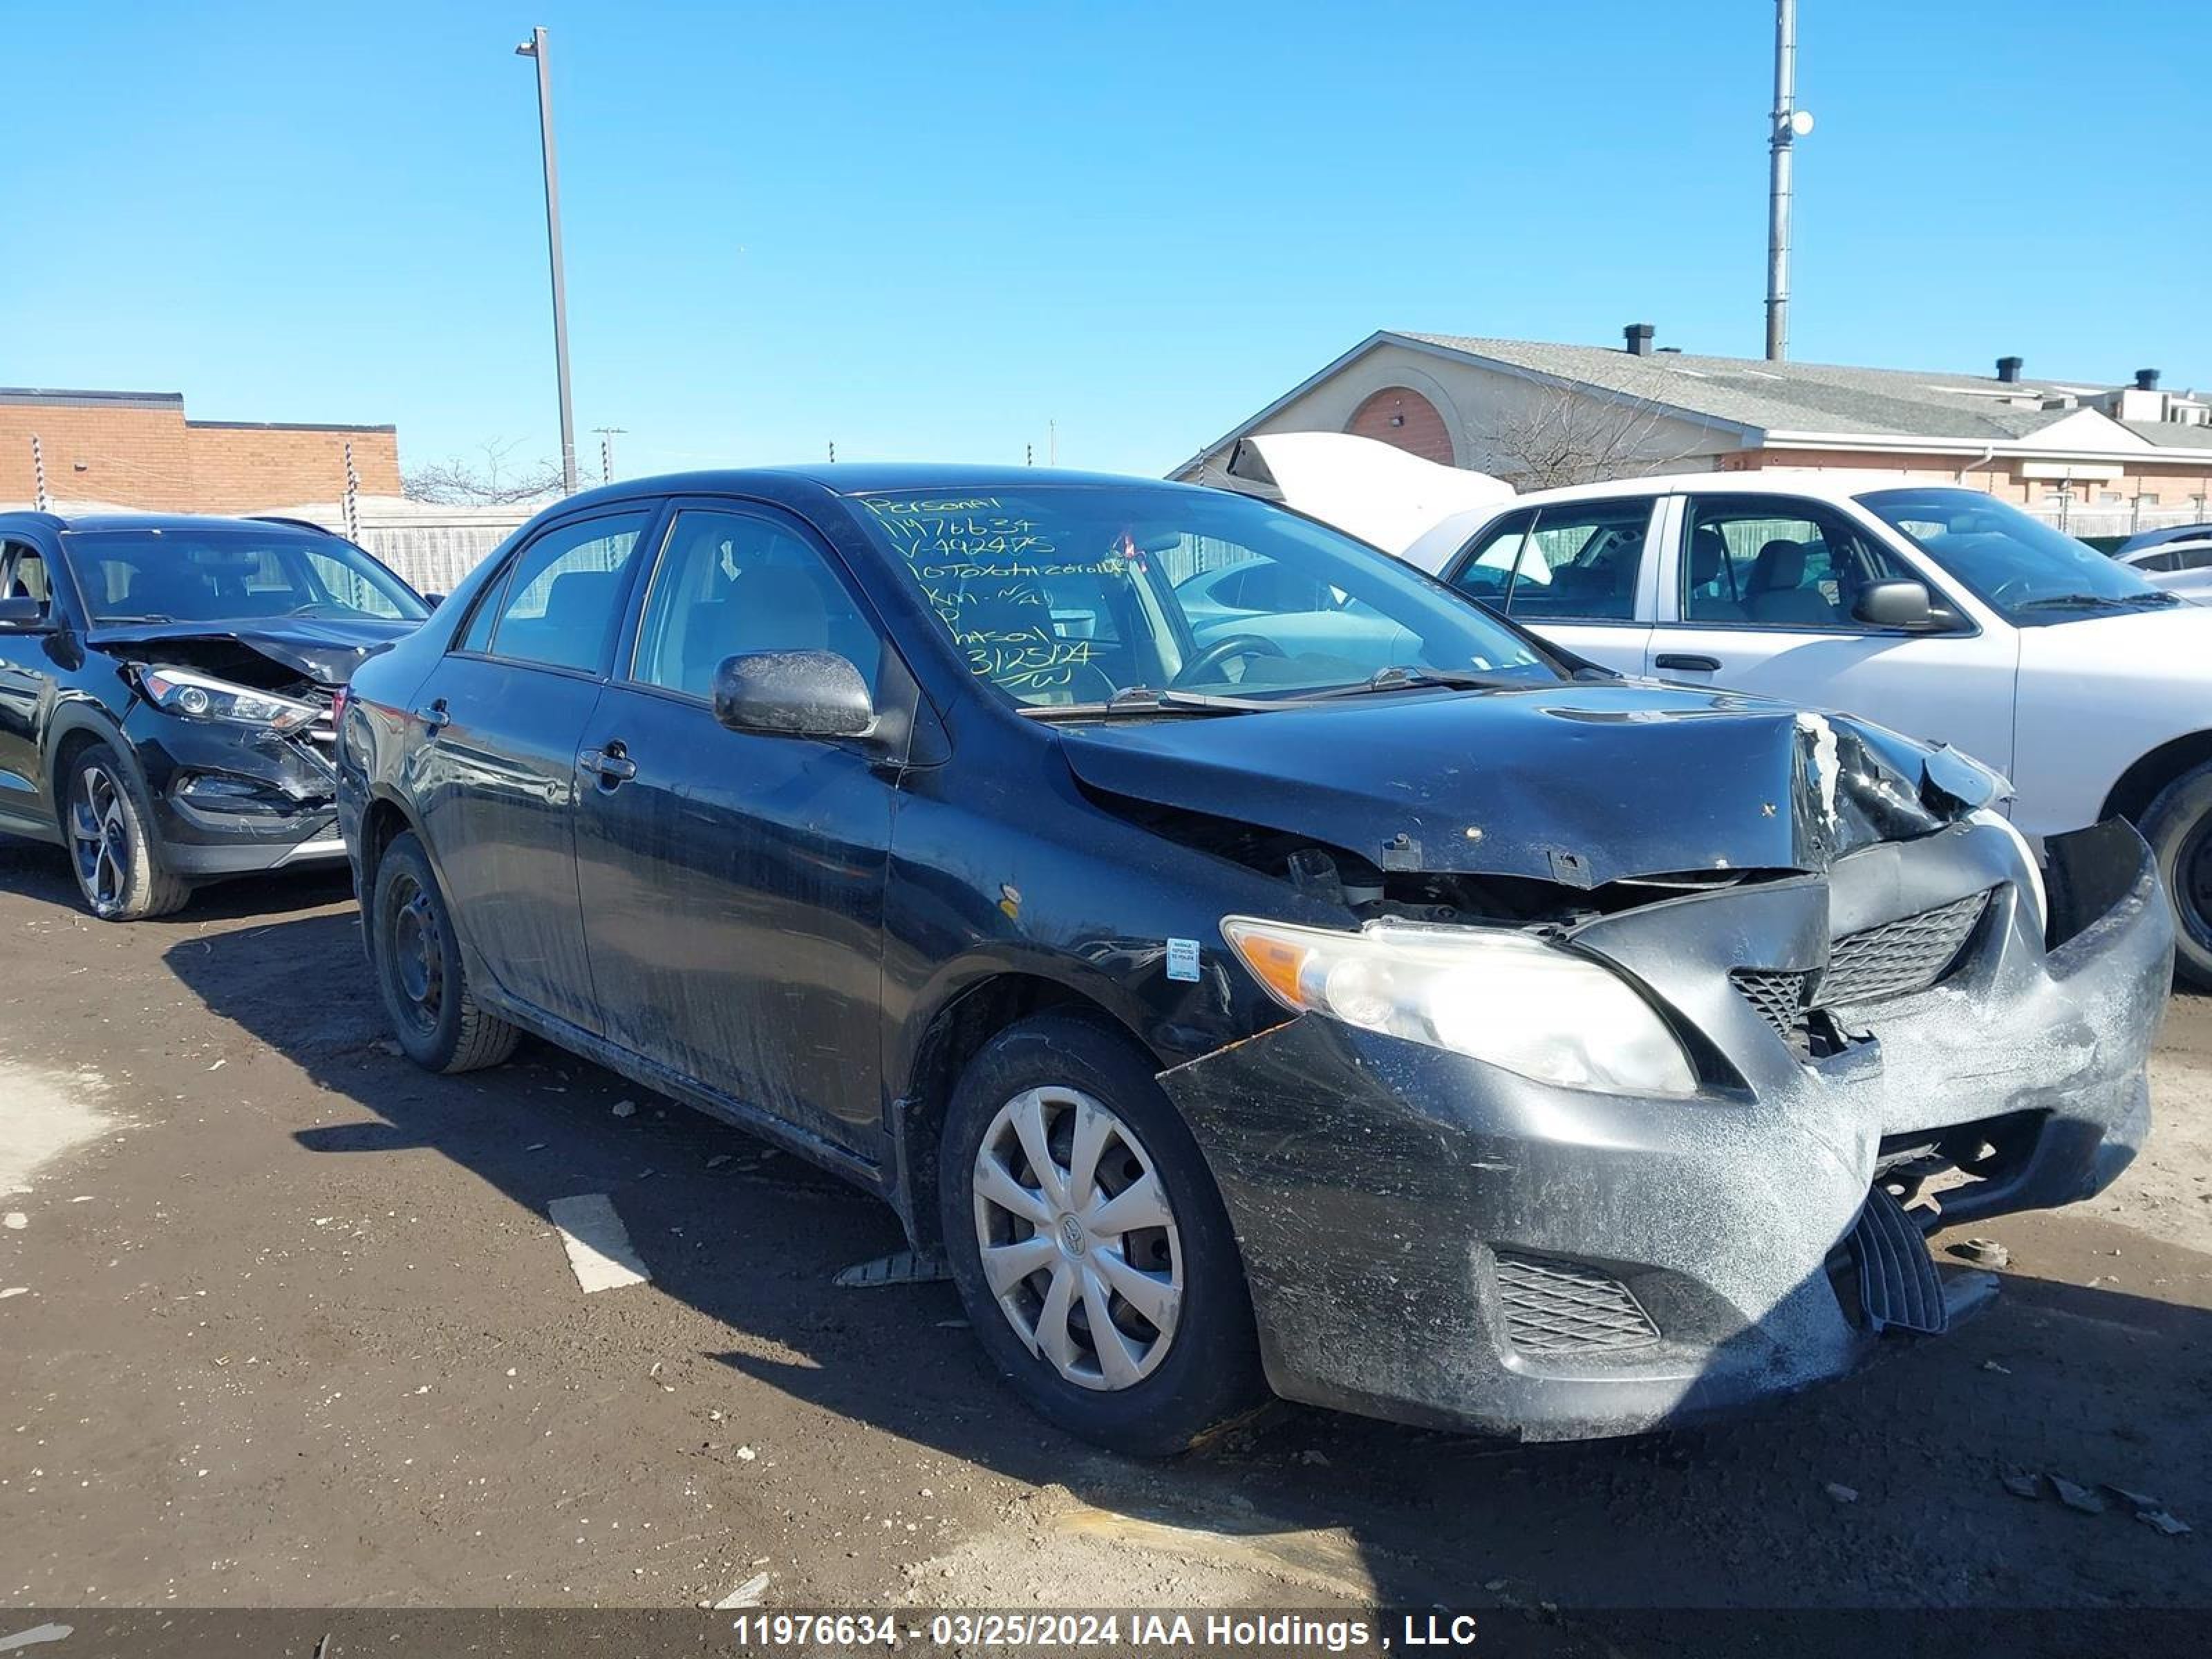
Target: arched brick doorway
1399 414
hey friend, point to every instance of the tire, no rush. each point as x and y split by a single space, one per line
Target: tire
440 1025
1172 1374
108 826
2178 827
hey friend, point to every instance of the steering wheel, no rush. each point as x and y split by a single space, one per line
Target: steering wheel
1228 646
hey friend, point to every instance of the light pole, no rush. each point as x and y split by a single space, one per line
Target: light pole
535 47
1786 126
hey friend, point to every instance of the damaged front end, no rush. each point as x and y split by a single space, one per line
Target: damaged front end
237 743
1603 1135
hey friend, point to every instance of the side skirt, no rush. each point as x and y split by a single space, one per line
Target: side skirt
862 1172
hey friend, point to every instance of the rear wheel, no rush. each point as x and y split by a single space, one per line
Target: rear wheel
436 1017
1088 1241
107 820
2178 827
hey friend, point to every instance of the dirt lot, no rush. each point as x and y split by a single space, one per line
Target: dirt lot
286 1324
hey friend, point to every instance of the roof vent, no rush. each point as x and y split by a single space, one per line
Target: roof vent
2145 380
2009 370
1638 338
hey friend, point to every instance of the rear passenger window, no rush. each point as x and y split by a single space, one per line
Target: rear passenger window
1579 561
562 600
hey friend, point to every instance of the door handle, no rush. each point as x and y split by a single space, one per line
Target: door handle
1687 664
435 717
611 766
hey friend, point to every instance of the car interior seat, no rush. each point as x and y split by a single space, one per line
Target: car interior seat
1711 598
1777 592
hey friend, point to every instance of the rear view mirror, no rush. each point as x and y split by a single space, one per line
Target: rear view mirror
21 615
1897 603
800 694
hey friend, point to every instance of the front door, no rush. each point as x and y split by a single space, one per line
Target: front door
1578 572
29 674
733 882
1762 600
500 719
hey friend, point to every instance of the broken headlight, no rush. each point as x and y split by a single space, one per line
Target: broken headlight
1498 995
200 697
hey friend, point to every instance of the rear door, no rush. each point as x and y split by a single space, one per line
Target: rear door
498 728
733 882
1758 598
1579 572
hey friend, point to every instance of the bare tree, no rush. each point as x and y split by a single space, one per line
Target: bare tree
1565 436
497 481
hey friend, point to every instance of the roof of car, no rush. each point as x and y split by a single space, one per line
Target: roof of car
82 521
1821 486
862 478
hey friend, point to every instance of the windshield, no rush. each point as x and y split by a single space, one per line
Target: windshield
194 576
1074 594
2018 565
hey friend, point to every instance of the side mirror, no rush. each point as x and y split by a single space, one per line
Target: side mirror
1897 603
799 694
434 600
26 616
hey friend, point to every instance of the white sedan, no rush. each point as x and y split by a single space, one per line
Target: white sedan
1936 610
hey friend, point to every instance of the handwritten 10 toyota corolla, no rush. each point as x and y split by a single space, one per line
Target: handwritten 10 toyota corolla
1410 1019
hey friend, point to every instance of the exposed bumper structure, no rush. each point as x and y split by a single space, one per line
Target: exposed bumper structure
1431 1239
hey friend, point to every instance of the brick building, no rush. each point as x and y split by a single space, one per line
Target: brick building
136 449
2100 459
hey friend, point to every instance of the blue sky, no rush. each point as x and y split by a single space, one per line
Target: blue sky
928 230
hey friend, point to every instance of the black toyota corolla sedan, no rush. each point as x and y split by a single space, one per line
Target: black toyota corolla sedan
1323 986
166 694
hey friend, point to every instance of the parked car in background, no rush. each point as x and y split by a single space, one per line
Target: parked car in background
166 694
1936 611
2174 533
1403 1015
2181 565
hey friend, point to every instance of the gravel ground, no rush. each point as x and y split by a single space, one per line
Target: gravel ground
286 1325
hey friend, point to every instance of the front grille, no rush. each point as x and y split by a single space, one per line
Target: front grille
1899 957
1557 1307
1776 994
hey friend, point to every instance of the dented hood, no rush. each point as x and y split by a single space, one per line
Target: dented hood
1580 784
324 650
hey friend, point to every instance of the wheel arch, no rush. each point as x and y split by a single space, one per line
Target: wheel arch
75 731
965 1015
2131 795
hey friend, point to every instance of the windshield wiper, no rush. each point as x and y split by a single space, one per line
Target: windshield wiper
1147 699
2097 601
1400 676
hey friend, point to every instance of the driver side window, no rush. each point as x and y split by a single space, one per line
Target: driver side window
1776 561
729 584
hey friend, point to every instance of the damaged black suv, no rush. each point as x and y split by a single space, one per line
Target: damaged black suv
167 687
1301 979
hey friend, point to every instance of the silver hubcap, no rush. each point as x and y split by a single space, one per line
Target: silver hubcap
1079 1242
100 838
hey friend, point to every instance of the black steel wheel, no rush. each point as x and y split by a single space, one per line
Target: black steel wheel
419 968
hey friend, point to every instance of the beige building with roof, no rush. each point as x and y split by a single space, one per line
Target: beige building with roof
2103 459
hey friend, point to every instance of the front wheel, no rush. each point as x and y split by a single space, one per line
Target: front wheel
2178 827
435 1014
111 841
1089 1244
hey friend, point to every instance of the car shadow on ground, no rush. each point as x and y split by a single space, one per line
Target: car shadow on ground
1885 1490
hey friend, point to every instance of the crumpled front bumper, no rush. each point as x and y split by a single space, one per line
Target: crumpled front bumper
1396 1204
234 799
